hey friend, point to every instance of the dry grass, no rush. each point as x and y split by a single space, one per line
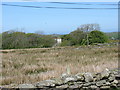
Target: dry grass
33 65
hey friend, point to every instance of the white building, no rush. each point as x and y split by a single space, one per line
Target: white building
58 40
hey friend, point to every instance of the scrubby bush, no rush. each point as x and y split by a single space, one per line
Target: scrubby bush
74 38
16 40
66 40
77 37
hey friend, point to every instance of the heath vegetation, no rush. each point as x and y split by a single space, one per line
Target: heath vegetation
33 65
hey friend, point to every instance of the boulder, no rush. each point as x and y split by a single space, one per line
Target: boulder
74 86
85 88
111 78
88 77
93 87
62 86
105 73
69 78
115 82
101 83
87 84
107 83
105 87
26 86
46 83
79 82
97 77
64 75
80 76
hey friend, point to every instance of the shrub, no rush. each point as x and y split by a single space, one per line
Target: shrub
97 37
17 40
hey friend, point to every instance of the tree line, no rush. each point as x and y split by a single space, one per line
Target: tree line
86 34
16 40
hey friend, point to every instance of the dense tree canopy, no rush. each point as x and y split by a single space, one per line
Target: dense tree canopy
97 37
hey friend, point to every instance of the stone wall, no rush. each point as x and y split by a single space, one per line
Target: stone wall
106 80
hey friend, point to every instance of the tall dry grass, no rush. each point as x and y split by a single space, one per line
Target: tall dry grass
34 65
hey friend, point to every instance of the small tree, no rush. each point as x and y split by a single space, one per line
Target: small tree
74 38
97 37
87 28
77 37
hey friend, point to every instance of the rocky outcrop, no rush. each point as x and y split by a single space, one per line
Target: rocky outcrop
106 80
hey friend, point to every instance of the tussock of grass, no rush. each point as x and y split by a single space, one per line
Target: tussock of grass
33 65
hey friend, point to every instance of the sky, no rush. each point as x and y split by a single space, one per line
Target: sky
58 21
63 0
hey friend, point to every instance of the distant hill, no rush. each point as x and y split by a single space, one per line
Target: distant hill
112 35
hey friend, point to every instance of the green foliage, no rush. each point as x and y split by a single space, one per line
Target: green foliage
66 43
65 37
74 38
80 36
97 37
66 40
16 40
47 41
84 35
77 37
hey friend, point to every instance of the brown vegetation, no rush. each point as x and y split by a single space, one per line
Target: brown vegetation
33 65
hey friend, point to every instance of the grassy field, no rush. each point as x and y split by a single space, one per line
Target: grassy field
33 65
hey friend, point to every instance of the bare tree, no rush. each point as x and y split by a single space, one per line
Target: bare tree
89 27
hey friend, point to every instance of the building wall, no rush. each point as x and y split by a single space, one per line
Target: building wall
59 40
